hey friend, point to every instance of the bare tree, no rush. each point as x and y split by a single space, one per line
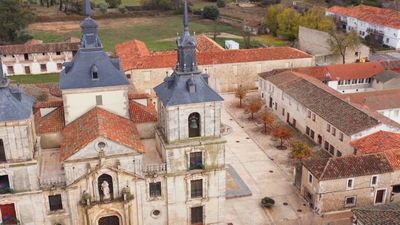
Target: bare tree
340 42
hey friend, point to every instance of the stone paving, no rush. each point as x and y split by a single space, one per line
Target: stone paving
267 172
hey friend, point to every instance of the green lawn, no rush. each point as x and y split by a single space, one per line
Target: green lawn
158 35
35 79
269 40
123 2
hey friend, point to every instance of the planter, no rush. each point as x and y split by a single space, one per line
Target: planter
267 202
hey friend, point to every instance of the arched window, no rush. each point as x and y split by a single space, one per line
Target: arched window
109 220
105 185
194 125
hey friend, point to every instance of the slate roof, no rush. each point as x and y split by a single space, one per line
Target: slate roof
387 75
377 142
348 166
175 91
374 15
77 74
99 123
323 101
386 214
14 104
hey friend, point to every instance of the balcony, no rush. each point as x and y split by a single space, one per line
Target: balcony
55 181
154 168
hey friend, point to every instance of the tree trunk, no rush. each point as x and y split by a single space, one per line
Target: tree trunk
61 5
344 59
240 102
252 115
281 143
48 3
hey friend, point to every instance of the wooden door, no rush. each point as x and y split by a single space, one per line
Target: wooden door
109 220
379 197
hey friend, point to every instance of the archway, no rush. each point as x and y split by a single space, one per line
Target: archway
194 125
109 220
101 180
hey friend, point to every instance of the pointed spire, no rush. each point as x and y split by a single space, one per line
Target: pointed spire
87 9
3 78
185 17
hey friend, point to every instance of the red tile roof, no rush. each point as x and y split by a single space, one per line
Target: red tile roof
393 156
205 44
142 114
343 71
99 123
133 56
36 47
374 15
377 100
377 142
52 122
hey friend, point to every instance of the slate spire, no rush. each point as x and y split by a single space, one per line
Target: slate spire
90 38
186 47
3 79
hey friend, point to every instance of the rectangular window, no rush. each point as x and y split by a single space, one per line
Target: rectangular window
196 188
43 68
360 81
340 82
310 178
55 202
350 201
155 189
341 136
10 69
283 112
26 57
313 117
4 184
338 153
196 215
196 160
99 100
308 131
354 81
58 53
347 81
8 214
326 145
333 131
59 66
276 106
350 183
312 134
332 150
2 151
309 114
374 180
328 127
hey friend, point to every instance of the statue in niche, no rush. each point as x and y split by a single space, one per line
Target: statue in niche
106 190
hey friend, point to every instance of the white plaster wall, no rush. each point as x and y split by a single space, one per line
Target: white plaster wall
393 114
78 102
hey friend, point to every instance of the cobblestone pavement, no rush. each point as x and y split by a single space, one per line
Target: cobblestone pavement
267 172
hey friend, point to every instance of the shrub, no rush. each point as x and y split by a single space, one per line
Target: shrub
164 4
210 12
113 3
103 7
198 12
221 3
267 202
122 9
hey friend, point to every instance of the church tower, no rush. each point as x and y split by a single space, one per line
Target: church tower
189 139
93 78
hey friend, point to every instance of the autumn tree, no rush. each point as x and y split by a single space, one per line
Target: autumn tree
271 19
288 23
340 42
240 93
299 150
254 106
315 18
268 120
283 133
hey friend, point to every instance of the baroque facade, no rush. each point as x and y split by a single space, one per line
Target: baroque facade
98 156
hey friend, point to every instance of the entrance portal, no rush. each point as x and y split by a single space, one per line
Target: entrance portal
109 220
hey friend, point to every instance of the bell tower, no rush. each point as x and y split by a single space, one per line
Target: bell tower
188 138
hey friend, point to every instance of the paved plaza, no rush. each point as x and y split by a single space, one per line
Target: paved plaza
265 172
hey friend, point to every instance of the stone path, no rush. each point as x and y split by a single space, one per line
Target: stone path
266 172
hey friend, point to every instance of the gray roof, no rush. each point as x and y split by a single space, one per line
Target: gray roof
175 90
14 105
323 101
387 214
77 74
387 75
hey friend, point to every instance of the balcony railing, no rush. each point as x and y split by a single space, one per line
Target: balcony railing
53 181
154 168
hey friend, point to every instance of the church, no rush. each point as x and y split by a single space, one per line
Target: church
99 154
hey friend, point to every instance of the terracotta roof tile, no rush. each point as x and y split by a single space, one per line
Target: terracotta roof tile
377 142
348 166
52 122
39 48
132 57
142 114
374 15
386 214
99 123
377 100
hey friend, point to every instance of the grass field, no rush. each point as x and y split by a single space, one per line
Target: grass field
158 35
35 79
123 2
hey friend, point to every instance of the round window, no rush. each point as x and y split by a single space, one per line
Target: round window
101 145
156 213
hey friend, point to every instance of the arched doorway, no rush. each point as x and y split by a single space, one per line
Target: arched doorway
109 220
194 125
102 181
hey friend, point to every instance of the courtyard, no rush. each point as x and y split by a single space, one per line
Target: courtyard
266 171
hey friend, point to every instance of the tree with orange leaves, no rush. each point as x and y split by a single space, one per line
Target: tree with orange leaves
283 133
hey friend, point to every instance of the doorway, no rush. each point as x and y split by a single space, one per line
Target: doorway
270 102
27 70
319 140
380 196
109 220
